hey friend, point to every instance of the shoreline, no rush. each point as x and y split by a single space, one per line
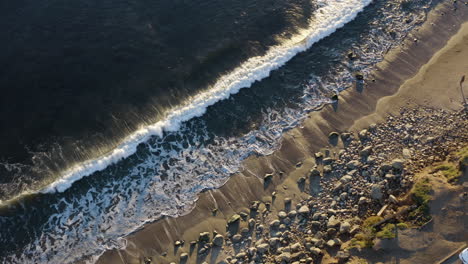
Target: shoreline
349 114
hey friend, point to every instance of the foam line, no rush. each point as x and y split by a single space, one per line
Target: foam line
332 15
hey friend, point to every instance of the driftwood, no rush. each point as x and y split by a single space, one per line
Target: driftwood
393 216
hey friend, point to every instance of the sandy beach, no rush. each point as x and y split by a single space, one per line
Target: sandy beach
425 71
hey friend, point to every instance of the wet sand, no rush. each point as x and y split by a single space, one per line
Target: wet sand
425 70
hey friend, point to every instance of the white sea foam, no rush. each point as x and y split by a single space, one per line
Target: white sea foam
333 14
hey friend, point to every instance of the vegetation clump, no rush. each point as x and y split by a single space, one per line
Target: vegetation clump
451 173
364 239
388 231
421 196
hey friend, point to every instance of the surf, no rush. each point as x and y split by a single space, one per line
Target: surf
331 16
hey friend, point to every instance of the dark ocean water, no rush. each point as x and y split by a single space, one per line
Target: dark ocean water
80 76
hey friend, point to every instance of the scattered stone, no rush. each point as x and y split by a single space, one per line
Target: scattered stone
345 227
304 210
314 173
316 251
268 177
236 238
204 237
262 248
398 164
363 134
342 255
376 192
359 76
333 136
365 152
333 222
235 218
218 240
275 224
352 165
183 257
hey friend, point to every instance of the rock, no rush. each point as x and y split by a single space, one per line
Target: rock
342 255
346 136
286 257
330 243
351 55
296 247
251 223
365 152
327 169
316 251
204 237
262 248
398 164
273 241
254 206
234 219
359 76
376 192
318 155
345 227
244 215
245 231
333 136
218 240
363 134
352 165
292 214
304 210
362 200
241 256
406 153
314 173
268 177
345 179
327 161
275 224
252 251
183 257
301 180
236 238
333 222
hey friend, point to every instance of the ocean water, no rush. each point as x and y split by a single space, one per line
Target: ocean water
218 85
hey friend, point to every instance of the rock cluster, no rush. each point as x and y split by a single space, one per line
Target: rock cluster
375 167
